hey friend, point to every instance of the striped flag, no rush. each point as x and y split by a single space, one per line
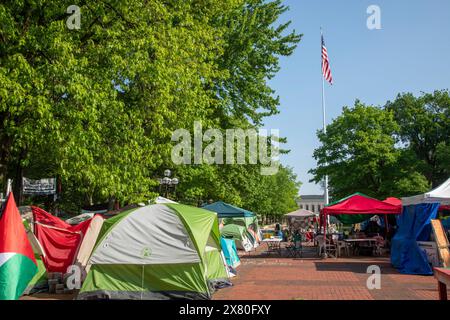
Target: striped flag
17 263
326 71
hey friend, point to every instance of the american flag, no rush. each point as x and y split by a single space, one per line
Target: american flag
326 71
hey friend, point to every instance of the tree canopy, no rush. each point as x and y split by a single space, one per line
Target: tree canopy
96 107
424 128
398 150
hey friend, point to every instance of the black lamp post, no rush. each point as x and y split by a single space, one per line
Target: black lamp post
166 184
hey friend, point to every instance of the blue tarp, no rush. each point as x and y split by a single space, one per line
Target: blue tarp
446 223
230 252
414 224
225 210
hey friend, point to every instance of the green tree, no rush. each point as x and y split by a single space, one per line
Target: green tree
424 128
242 185
274 195
96 107
360 153
253 43
443 157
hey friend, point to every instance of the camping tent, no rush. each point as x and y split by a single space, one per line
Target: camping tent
250 223
240 234
235 215
357 208
40 278
160 251
243 221
230 252
415 225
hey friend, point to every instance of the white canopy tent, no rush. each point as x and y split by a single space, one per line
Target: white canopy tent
439 195
300 219
301 213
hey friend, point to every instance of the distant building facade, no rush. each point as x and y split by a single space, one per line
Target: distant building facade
312 203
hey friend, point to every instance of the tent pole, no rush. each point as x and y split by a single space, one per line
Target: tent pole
386 223
142 283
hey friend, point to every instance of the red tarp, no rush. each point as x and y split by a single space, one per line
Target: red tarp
59 240
361 204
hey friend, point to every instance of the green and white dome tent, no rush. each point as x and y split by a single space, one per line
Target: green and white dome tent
161 251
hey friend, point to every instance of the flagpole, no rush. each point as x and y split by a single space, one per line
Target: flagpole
326 219
8 187
324 132
324 117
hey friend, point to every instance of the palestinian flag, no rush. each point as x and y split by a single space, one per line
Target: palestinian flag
17 262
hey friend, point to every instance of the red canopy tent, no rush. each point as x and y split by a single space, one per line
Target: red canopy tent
359 204
394 201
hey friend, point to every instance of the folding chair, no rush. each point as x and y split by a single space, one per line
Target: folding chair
295 250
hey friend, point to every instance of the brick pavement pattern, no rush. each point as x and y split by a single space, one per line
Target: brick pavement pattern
262 277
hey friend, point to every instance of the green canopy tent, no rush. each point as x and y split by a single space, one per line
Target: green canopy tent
226 210
161 251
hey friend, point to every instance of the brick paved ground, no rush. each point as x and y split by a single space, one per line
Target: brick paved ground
262 277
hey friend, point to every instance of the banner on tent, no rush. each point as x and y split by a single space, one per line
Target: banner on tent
39 187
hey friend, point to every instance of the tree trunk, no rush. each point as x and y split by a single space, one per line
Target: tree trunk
5 144
111 204
17 183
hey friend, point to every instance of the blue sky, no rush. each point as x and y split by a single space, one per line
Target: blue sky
409 54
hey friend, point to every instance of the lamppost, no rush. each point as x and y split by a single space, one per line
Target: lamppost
167 183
